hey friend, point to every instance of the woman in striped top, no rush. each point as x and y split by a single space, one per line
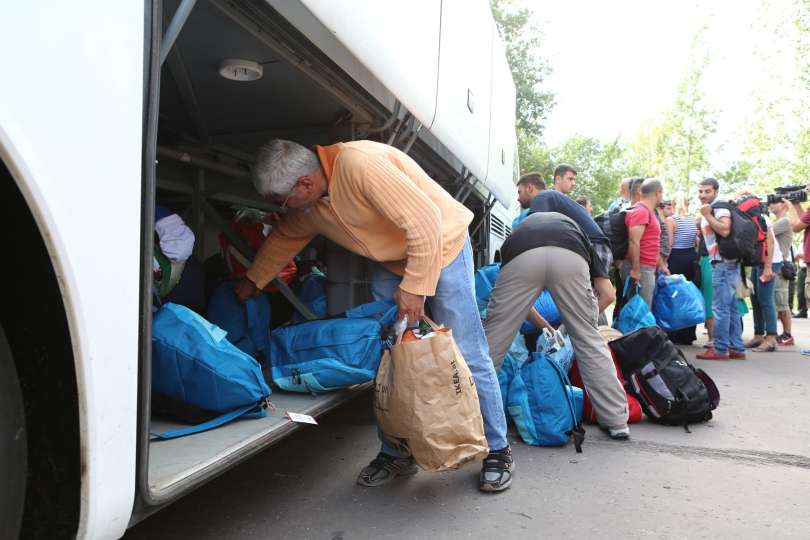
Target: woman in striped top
683 234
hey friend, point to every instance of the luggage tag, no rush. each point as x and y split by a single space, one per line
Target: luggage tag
301 418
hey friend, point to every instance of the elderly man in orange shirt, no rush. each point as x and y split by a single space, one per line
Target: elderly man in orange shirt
375 201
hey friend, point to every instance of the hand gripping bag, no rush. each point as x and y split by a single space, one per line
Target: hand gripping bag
193 363
426 402
545 407
635 313
678 303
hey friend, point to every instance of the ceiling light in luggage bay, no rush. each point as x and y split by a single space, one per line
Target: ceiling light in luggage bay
236 69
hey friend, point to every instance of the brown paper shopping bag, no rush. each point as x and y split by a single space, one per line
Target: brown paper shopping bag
426 402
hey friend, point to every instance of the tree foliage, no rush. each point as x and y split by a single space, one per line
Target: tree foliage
522 39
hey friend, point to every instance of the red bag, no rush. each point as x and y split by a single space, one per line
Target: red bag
588 414
238 264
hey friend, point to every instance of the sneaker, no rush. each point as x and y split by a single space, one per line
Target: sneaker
711 354
800 315
785 340
497 471
806 352
619 434
385 468
734 355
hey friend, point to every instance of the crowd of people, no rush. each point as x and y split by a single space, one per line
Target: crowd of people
377 202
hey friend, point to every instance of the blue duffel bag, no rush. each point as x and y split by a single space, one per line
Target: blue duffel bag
678 303
515 356
247 324
485 279
545 407
320 356
193 363
546 307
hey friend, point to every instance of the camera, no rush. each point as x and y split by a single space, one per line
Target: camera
788 193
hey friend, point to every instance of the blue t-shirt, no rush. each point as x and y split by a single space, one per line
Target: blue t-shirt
554 201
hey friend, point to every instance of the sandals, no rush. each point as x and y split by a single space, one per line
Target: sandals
754 343
497 471
769 347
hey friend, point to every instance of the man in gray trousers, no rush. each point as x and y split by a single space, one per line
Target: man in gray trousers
549 251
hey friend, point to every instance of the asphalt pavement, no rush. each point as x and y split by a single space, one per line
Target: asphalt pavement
744 474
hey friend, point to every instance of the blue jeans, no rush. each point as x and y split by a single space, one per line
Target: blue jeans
763 302
727 323
454 306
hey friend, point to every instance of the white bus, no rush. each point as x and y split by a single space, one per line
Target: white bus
109 107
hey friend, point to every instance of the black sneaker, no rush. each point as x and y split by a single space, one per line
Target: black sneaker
497 471
385 468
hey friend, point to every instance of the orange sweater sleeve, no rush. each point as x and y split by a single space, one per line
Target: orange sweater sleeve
397 198
288 237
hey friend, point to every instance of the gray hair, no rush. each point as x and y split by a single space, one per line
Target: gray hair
279 164
650 186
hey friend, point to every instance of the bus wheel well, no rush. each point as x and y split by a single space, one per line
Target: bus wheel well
33 316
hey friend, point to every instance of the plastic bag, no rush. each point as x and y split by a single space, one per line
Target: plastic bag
635 314
557 346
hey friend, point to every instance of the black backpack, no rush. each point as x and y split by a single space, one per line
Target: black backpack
746 243
615 228
671 391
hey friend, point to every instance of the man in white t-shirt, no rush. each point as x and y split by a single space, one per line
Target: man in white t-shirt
714 221
783 233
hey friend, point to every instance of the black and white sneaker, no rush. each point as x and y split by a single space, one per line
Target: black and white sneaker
385 468
497 471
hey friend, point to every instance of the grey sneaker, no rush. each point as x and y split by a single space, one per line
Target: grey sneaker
619 434
385 468
497 471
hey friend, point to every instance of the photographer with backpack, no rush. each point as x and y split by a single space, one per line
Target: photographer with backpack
716 221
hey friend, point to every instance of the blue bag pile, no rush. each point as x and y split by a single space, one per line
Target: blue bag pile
545 407
635 313
193 362
247 325
312 292
325 355
678 303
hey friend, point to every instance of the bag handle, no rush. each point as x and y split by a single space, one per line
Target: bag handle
430 322
636 289
578 432
205 426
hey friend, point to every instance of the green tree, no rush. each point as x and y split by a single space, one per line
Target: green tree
522 38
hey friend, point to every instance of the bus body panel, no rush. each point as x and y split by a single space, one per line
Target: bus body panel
448 89
70 131
405 61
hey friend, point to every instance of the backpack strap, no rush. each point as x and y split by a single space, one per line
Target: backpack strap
578 431
205 426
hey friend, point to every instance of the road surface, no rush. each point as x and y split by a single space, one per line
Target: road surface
744 474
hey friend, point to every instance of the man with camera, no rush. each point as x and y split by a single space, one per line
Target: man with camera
796 196
783 232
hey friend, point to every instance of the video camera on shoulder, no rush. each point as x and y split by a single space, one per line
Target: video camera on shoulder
788 193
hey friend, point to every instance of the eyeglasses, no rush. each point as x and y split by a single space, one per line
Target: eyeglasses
290 194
